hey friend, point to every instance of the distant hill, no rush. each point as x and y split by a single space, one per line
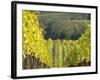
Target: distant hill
65 15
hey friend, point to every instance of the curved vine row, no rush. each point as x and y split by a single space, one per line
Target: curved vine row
33 39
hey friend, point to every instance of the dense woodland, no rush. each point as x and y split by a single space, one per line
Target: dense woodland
63 25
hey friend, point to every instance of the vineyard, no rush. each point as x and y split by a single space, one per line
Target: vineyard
39 52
